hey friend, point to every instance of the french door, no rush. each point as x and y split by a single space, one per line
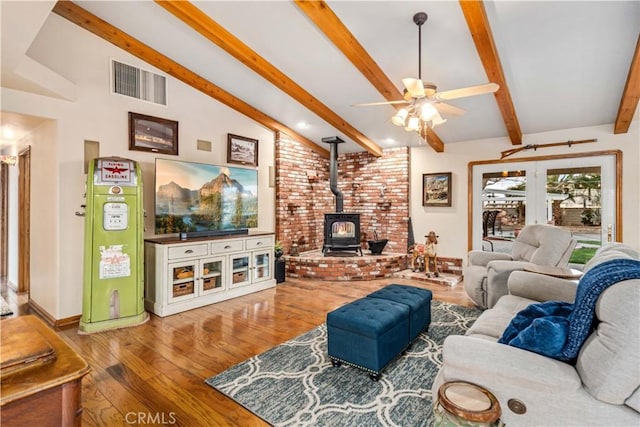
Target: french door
578 193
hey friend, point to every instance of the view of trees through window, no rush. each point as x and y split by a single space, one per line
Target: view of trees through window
573 197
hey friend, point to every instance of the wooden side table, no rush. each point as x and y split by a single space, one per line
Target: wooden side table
46 389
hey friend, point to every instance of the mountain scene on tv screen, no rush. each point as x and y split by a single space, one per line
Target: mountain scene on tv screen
220 204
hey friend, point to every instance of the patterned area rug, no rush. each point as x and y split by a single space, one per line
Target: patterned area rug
5 310
294 383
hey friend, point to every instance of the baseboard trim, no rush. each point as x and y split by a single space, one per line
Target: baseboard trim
52 321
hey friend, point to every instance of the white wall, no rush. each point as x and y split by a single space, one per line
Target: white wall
45 207
451 223
97 115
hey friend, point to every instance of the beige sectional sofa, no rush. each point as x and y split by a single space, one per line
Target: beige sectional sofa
601 389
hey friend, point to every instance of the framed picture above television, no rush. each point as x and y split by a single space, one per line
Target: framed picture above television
242 150
197 197
148 133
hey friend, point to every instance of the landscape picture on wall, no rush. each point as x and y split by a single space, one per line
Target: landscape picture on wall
194 197
436 189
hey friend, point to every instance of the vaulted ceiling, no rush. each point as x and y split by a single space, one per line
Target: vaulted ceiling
298 67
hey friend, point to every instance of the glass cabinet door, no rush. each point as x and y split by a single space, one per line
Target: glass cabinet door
212 275
182 281
239 270
261 266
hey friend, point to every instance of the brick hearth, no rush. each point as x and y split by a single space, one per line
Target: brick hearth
348 266
313 265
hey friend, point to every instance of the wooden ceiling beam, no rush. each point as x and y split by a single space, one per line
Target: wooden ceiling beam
115 36
214 32
434 140
478 23
326 20
630 95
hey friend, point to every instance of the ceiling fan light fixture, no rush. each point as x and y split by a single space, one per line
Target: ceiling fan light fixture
400 117
429 88
413 124
437 120
428 111
423 101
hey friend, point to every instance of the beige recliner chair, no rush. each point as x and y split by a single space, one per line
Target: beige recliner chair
486 275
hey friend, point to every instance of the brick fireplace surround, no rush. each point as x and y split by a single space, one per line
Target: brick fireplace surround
377 188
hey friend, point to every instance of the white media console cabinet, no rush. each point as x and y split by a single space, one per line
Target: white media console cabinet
182 275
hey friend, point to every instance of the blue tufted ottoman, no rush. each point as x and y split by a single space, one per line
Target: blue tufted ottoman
418 300
368 333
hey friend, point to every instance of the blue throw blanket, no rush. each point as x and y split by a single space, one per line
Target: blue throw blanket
558 329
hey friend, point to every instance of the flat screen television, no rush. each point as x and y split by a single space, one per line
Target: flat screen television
203 199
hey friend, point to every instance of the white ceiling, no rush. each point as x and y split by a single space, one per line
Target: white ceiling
566 63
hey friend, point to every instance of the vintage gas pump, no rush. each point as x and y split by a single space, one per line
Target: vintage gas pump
113 289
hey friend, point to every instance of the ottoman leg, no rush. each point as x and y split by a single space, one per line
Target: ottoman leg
335 363
375 376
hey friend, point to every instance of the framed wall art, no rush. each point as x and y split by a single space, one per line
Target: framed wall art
153 134
242 150
436 189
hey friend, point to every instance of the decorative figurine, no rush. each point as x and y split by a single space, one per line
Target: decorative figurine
417 257
431 260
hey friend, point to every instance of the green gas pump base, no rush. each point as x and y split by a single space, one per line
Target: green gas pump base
107 325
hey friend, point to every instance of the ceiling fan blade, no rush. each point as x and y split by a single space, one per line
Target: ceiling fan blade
414 87
447 109
368 104
468 91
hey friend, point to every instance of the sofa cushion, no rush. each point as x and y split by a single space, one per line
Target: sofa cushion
608 362
492 323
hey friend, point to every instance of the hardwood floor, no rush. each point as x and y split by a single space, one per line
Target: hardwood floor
154 374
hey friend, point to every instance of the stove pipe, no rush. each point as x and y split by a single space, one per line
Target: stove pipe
333 142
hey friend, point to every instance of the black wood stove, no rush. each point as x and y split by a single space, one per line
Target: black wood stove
341 230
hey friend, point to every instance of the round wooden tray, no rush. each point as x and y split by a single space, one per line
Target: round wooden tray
468 401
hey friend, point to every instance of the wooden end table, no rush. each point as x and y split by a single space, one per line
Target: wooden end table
45 391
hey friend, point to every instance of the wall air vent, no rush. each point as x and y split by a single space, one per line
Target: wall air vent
138 83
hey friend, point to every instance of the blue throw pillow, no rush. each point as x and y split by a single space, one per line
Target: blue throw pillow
559 329
541 328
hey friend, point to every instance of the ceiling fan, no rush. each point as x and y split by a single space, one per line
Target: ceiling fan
423 102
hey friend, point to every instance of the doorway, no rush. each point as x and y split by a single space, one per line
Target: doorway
577 192
4 220
24 223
